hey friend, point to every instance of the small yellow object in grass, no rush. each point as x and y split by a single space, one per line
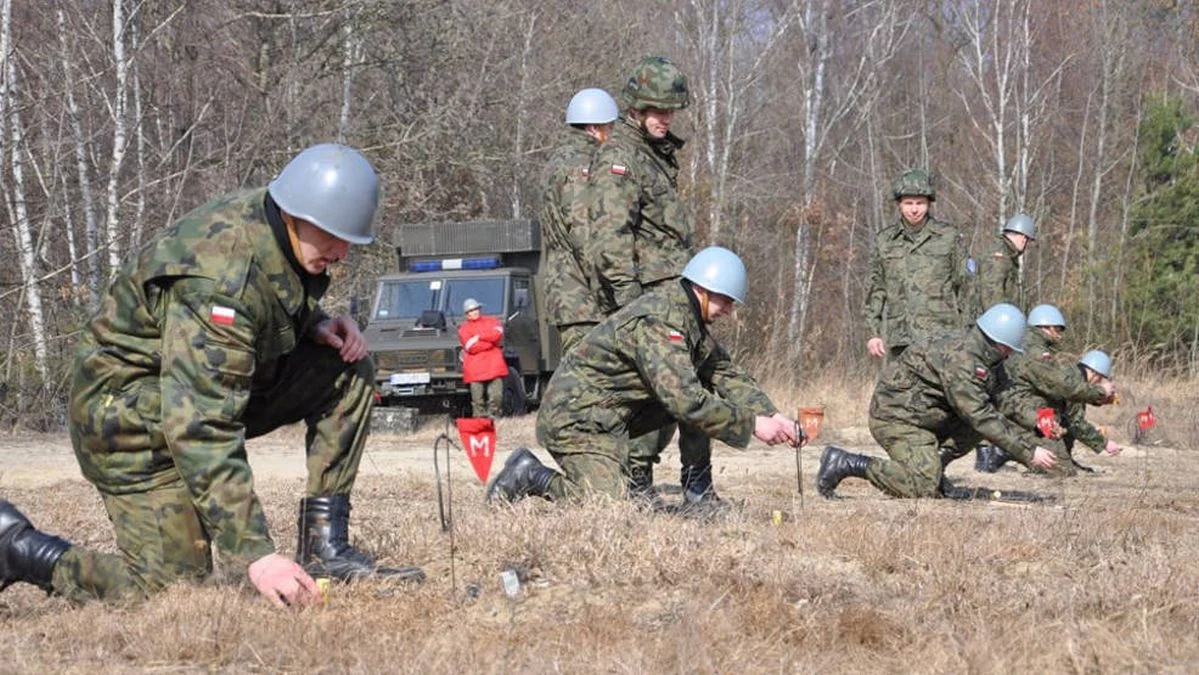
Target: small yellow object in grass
322 585
996 494
776 518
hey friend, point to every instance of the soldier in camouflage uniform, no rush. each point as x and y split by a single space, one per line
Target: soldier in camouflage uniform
213 334
1039 379
918 276
998 278
640 238
651 361
571 304
935 394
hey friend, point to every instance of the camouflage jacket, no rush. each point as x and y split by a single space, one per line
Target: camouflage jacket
651 361
1039 378
938 382
568 295
188 329
917 283
640 233
998 278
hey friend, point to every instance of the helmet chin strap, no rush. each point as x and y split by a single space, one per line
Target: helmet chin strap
703 303
292 235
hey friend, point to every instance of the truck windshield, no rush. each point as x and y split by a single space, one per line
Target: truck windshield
406 299
489 291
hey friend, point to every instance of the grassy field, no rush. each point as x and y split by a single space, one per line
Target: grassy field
1104 577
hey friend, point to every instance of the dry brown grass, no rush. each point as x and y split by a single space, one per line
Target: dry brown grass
1104 579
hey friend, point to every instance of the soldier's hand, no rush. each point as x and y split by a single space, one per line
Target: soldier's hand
795 436
1112 449
282 581
876 347
342 334
772 431
1043 458
1109 388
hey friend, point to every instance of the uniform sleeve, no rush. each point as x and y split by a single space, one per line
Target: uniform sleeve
989 283
1082 430
876 294
963 283
968 396
734 383
1062 382
614 207
207 363
664 359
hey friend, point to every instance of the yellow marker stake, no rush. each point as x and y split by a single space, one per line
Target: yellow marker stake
322 585
777 518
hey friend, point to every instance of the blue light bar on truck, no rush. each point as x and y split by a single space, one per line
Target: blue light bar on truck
481 263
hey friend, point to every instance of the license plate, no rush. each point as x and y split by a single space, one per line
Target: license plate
399 379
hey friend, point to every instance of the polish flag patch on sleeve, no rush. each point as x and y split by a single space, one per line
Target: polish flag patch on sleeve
222 316
675 336
620 169
980 372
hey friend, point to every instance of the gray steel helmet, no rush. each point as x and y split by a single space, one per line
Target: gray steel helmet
1097 361
1046 315
914 183
718 270
1004 324
469 304
592 106
1021 223
333 187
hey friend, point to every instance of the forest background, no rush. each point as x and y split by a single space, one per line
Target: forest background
118 117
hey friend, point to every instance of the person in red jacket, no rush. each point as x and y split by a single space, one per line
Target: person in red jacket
483 365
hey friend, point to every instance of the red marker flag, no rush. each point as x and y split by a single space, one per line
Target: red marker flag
478 440
1046 421
1146 420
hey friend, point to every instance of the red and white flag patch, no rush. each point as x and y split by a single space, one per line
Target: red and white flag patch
675 336
620 169
222 316
999 254
1046 356
980 372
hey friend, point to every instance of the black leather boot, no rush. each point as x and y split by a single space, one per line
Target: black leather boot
990 459
324 549
698 493
641 487
523 475
835 465
26 554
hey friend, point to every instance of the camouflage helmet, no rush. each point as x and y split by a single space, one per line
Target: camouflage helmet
655 82
914 183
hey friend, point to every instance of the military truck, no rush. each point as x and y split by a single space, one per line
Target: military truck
413 326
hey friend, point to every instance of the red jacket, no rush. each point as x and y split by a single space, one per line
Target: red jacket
483 359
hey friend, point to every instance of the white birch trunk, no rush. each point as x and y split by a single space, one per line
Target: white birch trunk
22 232
119 139
86 201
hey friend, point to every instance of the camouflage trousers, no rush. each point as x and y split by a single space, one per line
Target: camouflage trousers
487 398
160 535
914 466
573 334
695 447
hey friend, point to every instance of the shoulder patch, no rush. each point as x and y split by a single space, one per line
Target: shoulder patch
980 372
971 266
222 315
620 169
586 171
675 336
1000 254
1046 356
